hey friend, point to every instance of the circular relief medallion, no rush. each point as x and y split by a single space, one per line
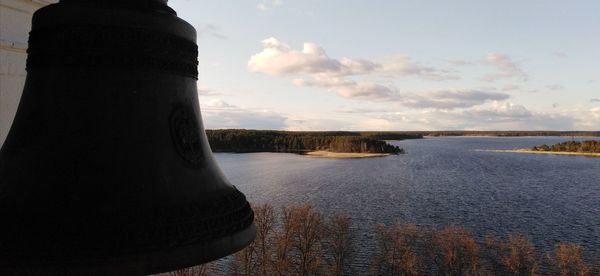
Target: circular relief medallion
185 132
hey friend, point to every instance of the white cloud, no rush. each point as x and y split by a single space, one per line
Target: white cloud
303 123
594 100
500 112
218 103
435 99
505 68
588 119
351 89
217 113
212 30
492 116
206 92
497 116
278 58
451 99
510 87
375 124
457 62
560 54
265 5
555 87
312 67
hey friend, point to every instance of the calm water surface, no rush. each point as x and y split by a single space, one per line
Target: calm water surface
440 181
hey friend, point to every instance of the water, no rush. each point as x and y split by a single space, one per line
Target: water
440 181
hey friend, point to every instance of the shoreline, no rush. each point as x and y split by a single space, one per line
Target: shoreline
343 155
587 154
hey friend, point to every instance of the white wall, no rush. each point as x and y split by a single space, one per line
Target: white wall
15 24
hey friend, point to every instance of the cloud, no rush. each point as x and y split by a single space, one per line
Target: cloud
266 5
436 99
451 99
352 89
212 30
312 67
510 87
505 68
218 103
278 58
362 110
555 87
594 100
456 62
500 112
560 54
518 117
496 116
206 92
587 119
492 116
217 114
303 123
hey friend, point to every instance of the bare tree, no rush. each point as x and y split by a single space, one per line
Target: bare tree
299 240
244 261
491 257
307 239
455 251
397 252
519 256
339 244
568 260
283 239
265 222
516 256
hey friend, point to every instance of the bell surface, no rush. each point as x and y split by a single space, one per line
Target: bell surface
107 169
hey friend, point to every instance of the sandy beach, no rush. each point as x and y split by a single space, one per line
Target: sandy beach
344 155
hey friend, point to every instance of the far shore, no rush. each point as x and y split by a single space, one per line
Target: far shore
547 152
344 155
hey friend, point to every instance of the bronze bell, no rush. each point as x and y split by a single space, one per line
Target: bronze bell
106 169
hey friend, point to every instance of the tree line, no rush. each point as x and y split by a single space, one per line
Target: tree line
591 146
300 240
241 140
510 133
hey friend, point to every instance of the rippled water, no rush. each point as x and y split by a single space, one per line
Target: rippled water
439 181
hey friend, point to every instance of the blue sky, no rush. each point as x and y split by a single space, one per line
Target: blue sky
397 65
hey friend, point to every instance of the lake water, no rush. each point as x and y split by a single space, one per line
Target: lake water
440 181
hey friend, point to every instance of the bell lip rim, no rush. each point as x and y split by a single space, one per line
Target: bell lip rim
235 242
152 262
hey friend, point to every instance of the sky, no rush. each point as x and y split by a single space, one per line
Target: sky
397 65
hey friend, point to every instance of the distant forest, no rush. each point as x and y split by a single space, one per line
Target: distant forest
510 133
592 146
241 140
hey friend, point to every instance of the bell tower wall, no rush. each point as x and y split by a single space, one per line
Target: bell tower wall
15 23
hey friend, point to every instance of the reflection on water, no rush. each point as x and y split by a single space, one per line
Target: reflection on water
439 181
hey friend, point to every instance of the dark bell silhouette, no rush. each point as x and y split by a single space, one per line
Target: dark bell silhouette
106 169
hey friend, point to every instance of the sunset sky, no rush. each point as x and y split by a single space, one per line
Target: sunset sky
397 65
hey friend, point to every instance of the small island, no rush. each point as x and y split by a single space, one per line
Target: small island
344 155
585 148
328 144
